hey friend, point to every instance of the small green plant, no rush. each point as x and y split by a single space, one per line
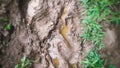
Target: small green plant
6 43
5 20
7 27
24 63
112 66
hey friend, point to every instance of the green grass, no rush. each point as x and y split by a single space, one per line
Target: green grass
96 12
25 63
93 60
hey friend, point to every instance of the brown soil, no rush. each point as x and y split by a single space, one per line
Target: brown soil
111 51
51 35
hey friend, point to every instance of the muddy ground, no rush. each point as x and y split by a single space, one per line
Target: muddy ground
49 34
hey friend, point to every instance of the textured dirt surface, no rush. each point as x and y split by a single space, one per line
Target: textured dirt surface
111 51
48 32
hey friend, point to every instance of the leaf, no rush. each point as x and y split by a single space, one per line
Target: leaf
23 59
17 66
112 66
7 27
5 20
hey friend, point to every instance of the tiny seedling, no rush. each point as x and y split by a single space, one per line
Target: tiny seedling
24 63
5 20
7 27
6 43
